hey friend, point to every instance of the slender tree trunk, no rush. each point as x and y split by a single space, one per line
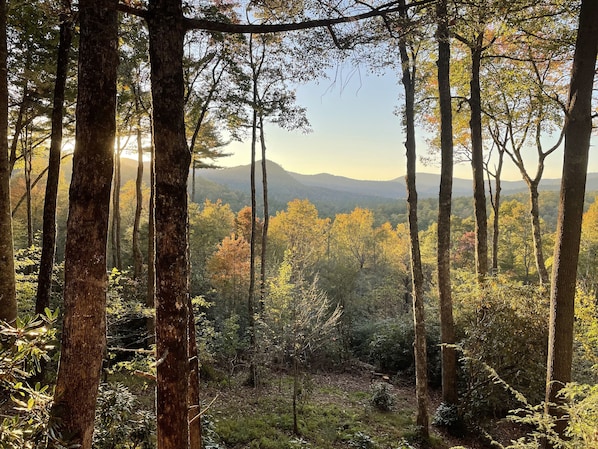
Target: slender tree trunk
116 254
194 414
566 252
84 326
447 326
421 375
44 280
137 255
166 34
8 301
495 201
537 233
266 222
27 171
477 161
150 301
20 123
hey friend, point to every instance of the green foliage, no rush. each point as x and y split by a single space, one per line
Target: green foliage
388 345
119 422
22 350
361 440
382 397
493 324
446 415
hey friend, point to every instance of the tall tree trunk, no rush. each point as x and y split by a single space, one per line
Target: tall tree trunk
8 301
421 375
537 232
578 129
477 161
46 265
194 413
266 222
150 300
84 326
495 202
166 34
137 255
27 150
116 254
447 326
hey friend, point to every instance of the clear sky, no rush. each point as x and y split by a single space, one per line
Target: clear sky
355 133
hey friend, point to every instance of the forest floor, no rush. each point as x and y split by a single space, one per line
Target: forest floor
334 411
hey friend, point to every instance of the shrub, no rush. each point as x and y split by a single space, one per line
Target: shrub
502 325
382 397
119 423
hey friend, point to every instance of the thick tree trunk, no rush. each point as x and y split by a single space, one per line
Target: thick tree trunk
537 233
447 326
421 375
84 326
44 280
477 162
566 252
8 301
166 33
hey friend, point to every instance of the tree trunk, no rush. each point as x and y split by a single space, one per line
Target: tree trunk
46 265
166 34
26 148
495 203
84 326
266 222
116 255
447 326
150 300
194 399
137 255
477 161
566 252
8 301
421 375
537 233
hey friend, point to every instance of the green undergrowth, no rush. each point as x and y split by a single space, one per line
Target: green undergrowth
331 417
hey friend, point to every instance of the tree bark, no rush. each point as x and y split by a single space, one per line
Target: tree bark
421 375
194 413
266 222
537 233
116 254
166 33
46 265
477 161
137 254
447 326
84 326
578 129
8 301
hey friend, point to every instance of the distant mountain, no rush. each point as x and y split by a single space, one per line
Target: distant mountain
328 192
323 185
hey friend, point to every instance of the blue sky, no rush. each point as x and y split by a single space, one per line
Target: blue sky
355 133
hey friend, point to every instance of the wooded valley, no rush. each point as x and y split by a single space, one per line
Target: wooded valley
143 305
